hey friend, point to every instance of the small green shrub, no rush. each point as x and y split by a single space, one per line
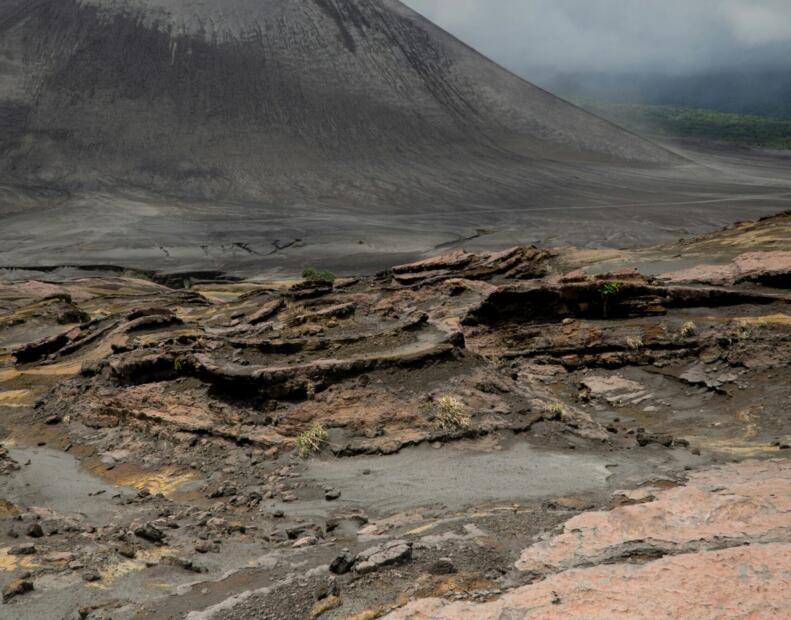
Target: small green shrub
608 289
312 275
311 440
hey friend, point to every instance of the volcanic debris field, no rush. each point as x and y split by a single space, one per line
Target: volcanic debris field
542 432
476 435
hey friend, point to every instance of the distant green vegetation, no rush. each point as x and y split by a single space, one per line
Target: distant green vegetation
312 275
671 121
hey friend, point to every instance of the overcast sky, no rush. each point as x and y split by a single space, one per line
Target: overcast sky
672 36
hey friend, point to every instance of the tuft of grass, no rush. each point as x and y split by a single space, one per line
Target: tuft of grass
743 330
450 413
556 411
310 390
312 275
635 343
689 329
312 440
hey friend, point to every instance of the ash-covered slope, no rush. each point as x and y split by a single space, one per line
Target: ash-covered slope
266 100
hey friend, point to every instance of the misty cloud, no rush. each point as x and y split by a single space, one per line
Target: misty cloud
672 36
759 23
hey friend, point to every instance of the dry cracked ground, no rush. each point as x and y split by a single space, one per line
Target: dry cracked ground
534 433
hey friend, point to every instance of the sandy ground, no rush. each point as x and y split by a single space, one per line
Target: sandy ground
596 206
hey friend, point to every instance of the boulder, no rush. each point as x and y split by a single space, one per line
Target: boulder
374 558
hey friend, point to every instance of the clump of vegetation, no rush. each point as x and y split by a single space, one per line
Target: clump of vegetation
311 440
450 413
689 329
743 330
635 343
556 411
312 275
665 120
292 311
310 390
613 287
608 290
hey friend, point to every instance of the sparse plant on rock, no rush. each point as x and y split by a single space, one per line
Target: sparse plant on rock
312 440
312 275
609 290
635 343
292 311
743 330
450 413
689 329
310 390
556 411
613 287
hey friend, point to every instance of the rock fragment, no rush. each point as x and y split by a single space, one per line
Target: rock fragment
393 552
150 533
16 587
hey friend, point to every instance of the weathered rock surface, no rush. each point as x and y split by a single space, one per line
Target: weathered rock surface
715 547
727 506
393 552
746 582
769 268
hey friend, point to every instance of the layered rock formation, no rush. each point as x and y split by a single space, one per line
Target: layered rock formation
478 434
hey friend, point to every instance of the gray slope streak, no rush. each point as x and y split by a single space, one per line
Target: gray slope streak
205 98
203 123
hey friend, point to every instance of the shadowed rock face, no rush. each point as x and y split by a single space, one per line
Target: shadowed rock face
263 98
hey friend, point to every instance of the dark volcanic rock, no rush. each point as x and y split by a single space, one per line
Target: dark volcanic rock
645 439
150 533
25 549
16 587
342 564
7 464
442 567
